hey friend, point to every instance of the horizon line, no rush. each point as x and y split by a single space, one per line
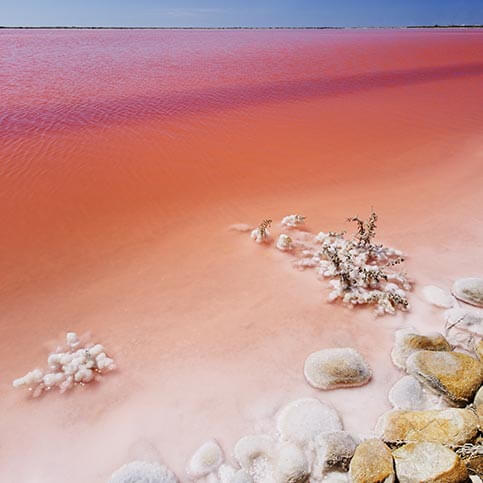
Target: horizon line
274 27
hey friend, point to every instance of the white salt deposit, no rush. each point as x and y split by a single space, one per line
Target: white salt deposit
226 473
260 235
464 327
303 419
143 472
75 365
206 459
284 243
438 297
255 451
293 221
409 394
336 367
241 476
333 451
291 465
469 290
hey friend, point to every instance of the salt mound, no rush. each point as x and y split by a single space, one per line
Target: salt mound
469 290
255 453
303 419
293 221
292 465
241 476
333 451
437 296
143 472
338 367
409 394
76 365
284 243
206 459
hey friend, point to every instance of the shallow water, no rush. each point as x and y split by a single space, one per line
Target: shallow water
125 156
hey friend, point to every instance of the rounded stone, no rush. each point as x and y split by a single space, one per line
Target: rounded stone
372 463
304 419
206 459
338 367
469 290
438 297
431 462
454 375
407 342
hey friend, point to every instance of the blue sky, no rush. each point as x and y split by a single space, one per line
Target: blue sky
214 13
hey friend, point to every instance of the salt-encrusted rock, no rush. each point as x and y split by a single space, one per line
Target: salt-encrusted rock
291 464
143 472
333 451
407 342
479 350
303 419
469 290
456 376
372 463
478 404
206 459
336 477
241 476
284 243
437 296
292 221
409 394
228 474
430 462
339 367
446 426
255 453
464 327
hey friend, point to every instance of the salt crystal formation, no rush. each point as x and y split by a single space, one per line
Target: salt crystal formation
284 243
75 365
255 453
360 271
261 234
206 459
143 472
437 296
469 290
293 221
337 367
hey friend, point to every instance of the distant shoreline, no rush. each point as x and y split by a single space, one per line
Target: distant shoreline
475 26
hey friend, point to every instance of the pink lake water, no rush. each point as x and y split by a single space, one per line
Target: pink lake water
124 158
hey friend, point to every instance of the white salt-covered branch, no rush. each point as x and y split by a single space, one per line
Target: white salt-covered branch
75 365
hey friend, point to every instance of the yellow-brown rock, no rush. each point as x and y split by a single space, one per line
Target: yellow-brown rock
372 463
452 426
407 343
455 375
479 350
428 462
